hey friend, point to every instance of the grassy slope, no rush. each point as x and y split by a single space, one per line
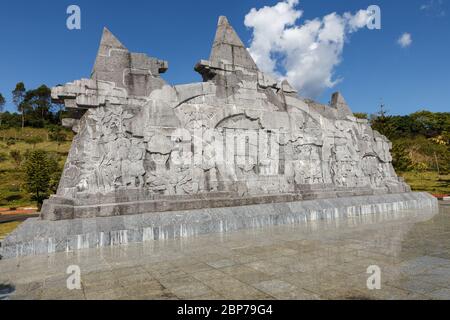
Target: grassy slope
7 228
12 193
428 181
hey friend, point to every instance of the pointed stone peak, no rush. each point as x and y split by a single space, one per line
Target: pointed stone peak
223 21
225 33
108 42
338 102
228 46
286 87
337 98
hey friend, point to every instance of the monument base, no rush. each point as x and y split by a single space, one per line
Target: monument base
132 202
36 237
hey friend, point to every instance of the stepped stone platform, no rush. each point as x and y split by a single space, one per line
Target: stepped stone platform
36 236
129 202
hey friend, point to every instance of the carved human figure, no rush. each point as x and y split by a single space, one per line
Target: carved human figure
136 157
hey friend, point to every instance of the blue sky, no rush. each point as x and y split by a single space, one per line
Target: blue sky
37 48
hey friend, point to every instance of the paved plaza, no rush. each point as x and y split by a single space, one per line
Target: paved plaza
318 260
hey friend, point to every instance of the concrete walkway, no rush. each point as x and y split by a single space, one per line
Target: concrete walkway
321 260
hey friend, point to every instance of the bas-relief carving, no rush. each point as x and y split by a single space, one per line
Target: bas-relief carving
237 131
109 155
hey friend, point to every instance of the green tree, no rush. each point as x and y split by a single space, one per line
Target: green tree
41 173
40 105
400 158
18 99
58 109
381 122
2 106
10 120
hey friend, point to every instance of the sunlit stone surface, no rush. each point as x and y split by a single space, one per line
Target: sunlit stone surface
317 260
35 236
237 138
152 161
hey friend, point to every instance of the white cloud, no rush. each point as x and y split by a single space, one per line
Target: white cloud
425 6
405 40
305 54
434 8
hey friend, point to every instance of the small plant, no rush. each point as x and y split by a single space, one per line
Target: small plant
420 167
3 157
34 140
57 134
360 115
16 155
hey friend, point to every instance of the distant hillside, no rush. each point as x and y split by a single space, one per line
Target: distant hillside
421 147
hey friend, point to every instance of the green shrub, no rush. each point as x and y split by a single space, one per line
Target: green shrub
16 155
400 158
3 157
360 115
34 140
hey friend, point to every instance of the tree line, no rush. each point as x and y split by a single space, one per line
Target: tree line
35 108
421 140
422 123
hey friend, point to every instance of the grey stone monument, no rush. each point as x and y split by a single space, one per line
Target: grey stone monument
239 149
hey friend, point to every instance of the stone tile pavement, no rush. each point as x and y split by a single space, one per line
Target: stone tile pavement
318 260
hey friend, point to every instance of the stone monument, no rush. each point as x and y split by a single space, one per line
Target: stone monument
151 160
